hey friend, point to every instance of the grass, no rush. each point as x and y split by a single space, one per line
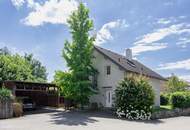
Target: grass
163 108
166 107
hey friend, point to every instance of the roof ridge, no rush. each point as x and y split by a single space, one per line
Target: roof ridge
112 52
139 67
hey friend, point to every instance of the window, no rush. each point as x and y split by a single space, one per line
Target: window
109 96
94 81
108 70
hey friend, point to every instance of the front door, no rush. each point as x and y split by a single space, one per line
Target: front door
108 98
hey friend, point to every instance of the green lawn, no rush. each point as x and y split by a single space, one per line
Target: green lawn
166 107
163 107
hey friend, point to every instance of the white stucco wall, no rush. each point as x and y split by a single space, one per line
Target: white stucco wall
105 81
156 84
110 82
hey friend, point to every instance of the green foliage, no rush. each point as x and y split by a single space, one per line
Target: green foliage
164 99
5 94
174 84
134 94
76 84
38 70
14 67
180 99
63 81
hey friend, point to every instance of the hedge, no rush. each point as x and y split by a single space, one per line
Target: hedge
164 99
180 99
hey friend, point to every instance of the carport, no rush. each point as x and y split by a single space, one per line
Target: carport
43 94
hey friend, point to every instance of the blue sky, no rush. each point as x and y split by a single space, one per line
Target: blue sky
158 32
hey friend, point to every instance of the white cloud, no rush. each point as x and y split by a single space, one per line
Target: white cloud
164 21
140 48
30 3
183 42
184 64
12 49
52 11
170 20
182 17
185 77
168 3
150 41
104 34
36 50
18 3
160 34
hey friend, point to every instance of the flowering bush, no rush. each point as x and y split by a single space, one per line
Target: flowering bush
134 115
134 98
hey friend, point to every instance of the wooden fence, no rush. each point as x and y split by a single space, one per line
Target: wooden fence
6 109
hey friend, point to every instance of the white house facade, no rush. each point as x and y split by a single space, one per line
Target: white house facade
112 68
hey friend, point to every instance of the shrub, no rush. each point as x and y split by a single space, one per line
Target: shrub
180 99
5 94
164 99
17 109
134 98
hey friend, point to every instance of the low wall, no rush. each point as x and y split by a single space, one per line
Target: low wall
171 113
6 109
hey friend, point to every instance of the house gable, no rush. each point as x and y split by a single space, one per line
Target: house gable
128 65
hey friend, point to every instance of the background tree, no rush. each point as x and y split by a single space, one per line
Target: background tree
78 55
4 51
174 84
38 70
16 67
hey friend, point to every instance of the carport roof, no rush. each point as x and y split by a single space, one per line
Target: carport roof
28 82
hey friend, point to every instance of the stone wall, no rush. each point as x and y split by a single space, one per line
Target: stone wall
171 113
6 109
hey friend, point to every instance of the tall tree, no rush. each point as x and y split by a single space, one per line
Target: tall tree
38 70
174 84
78 55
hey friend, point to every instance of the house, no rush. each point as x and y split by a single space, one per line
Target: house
112 68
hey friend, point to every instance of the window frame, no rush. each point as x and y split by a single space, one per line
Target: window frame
108 70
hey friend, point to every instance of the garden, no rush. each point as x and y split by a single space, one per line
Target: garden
175 101
135 99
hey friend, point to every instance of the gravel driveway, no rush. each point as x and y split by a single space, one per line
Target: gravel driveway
61 120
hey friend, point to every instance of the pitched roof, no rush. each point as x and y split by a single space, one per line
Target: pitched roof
129 65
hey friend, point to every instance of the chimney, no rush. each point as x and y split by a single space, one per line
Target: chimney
128 54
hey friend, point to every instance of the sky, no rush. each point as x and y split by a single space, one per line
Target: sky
158 32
